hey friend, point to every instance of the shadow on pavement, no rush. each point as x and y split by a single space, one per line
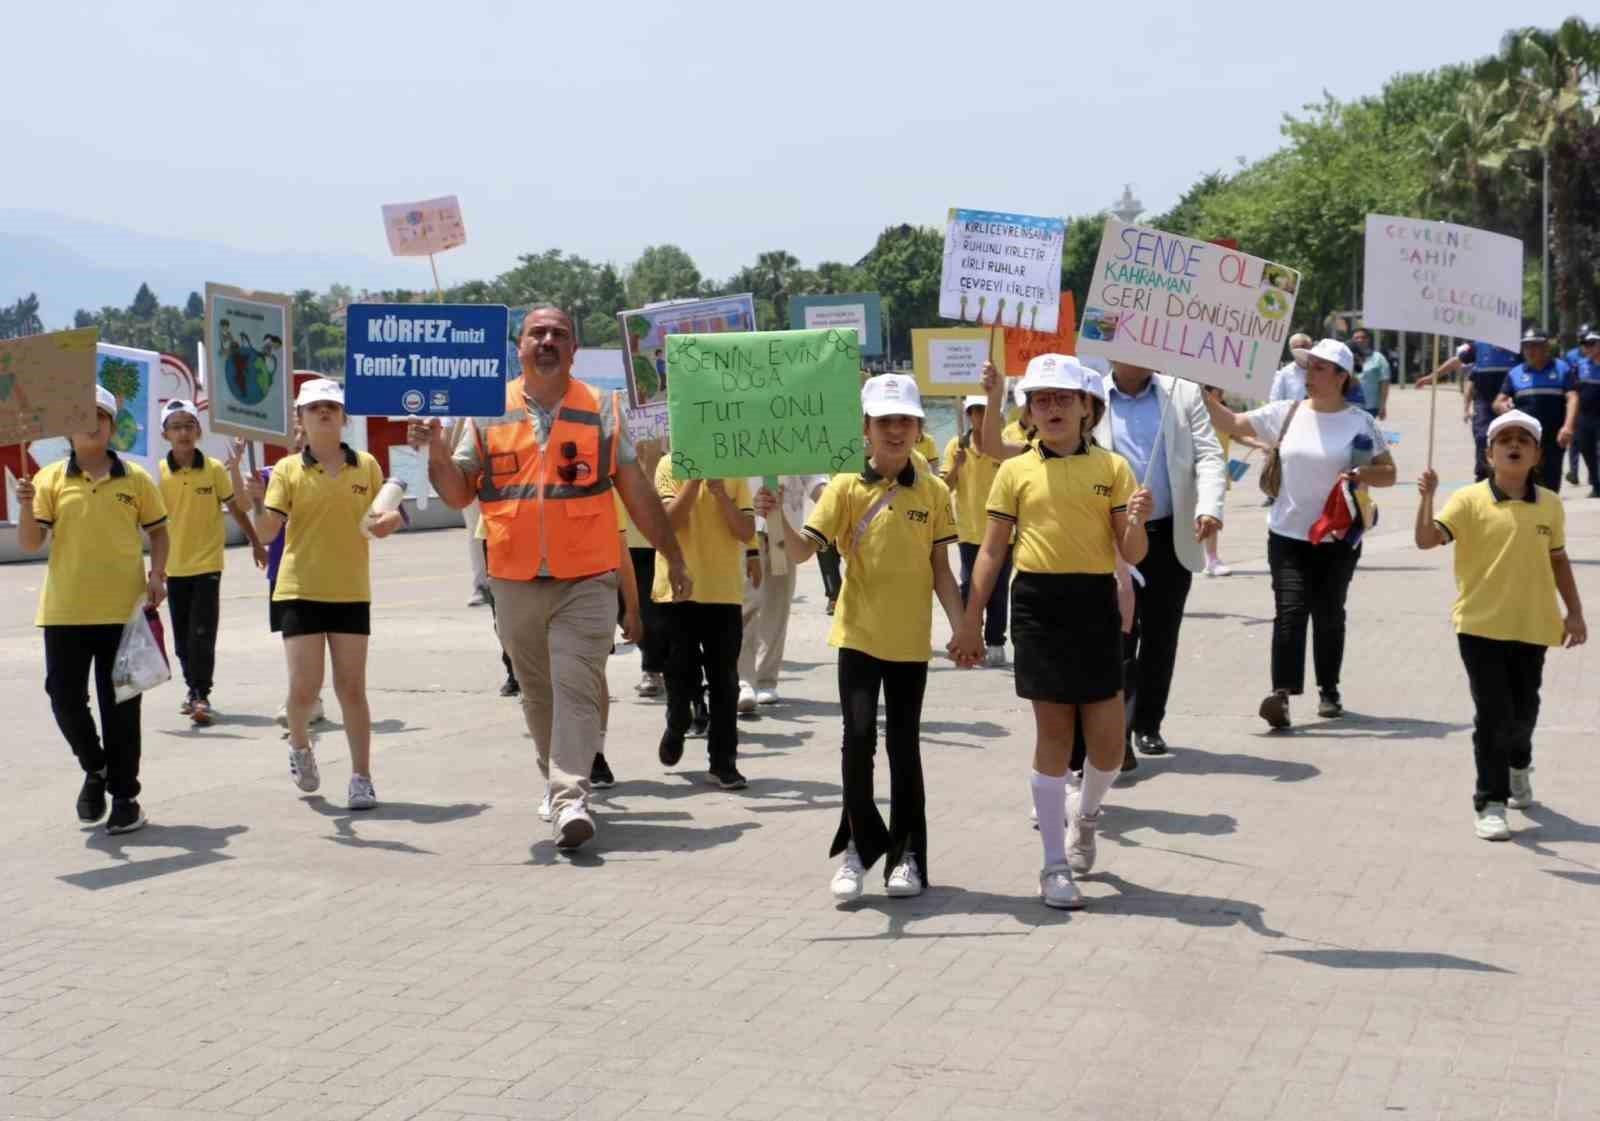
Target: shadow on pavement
1120 819
1191 910
1367 726
414 813
1388 960
619 834
1248 620
1590 878
945 902
982 729
202 845
1194 761
1554 827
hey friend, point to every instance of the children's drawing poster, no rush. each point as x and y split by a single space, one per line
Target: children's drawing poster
47 385
645 331
416 229
1002 268
133 377
248 341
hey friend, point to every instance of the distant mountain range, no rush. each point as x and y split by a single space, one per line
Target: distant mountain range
73 263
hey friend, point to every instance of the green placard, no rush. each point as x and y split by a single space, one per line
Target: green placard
764 403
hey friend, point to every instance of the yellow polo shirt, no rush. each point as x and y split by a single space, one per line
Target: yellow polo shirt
1505 587
195 495
715 557
96 573
927 449
1061 506
971 491
886 607
325 556
1014 433
636 540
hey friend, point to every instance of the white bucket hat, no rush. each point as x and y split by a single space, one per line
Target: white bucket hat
891 395
974 401
1051 371
1329 350
319 389
105 401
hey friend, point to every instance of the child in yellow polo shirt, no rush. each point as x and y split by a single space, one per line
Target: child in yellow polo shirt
893 524
969 472
1511 563
1074 508
195 490
716 526
324 587
93 506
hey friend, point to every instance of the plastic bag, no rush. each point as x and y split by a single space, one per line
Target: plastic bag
141 662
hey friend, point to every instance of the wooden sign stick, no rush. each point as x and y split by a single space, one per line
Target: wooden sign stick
777 529
1433 400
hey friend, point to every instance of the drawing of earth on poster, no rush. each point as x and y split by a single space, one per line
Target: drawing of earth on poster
250 341
128 375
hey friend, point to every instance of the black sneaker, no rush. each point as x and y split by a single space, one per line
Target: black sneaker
671 749
832 603
728 778
510 688
126 816
1275 709
92 799
699 719
1150 743
600 776
1328 704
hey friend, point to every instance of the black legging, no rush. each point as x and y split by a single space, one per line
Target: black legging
1589 447
903 684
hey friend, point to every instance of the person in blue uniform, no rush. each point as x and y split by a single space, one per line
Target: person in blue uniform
1588 442
1484 367
1546 388
1574 453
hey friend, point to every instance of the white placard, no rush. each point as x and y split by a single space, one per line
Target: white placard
1443 279
823 317
1002 268
957 361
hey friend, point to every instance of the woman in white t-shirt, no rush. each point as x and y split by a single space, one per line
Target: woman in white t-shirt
1322 442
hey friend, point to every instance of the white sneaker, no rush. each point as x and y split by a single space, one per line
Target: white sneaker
1521 788
1080 838
317 715
995 657
303 769
846 884
477 598
1492 823
747 699
1057 889
650 685
1217 568
905 880
574 827
361 795
545 811
766 696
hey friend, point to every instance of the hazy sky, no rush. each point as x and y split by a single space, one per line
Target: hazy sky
726 128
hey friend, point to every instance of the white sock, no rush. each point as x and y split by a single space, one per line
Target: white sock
1095 784
1050 803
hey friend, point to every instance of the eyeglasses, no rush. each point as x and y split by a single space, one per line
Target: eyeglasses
567 471
1048 400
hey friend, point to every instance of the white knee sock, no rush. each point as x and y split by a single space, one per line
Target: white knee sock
1050 803
1095 784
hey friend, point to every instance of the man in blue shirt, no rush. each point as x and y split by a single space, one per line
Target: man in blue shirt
1588 441
1375 376
1545 388
1485 367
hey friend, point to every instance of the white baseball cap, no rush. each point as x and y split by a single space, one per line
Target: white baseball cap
974 401
1051 371
319 389
179 407
891 395
1329 350
1516 418
105 401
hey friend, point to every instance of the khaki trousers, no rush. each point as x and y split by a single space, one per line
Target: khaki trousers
766 624
558 634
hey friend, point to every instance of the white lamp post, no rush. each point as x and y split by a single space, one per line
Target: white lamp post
1127 208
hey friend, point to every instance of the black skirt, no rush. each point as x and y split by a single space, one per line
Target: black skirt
297 617
1068 637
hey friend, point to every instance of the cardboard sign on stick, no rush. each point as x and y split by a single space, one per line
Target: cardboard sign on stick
645 331
421 229
764 403
47 385
948 361
425 360
1191 309
1023 345
249 337
134 378
1002 269
1442 279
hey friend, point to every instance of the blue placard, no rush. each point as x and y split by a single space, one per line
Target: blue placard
425 360
861 310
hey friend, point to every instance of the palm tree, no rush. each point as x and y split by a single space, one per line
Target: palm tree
776 271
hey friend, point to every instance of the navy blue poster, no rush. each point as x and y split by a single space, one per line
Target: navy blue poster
425 360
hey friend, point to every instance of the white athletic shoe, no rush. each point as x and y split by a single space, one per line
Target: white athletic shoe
574 827
1492 823
545 810
747 699
1521 788
846 884
1217 568
303 769
766 696
1080 838
317 715
361 795
1057 889
995 657
905 880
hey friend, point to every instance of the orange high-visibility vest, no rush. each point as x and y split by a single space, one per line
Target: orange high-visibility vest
549 506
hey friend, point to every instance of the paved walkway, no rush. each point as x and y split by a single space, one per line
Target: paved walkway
1291 927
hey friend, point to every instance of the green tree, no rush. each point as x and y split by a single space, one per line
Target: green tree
196 307
145 305
121 377
904 266
662 272
21 318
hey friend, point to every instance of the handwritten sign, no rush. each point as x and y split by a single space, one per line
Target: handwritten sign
47 385
764 403
645 331
948 361
1444 279
416 229
1188 308
1021 346
249 336
1002 268
425 360
858 311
